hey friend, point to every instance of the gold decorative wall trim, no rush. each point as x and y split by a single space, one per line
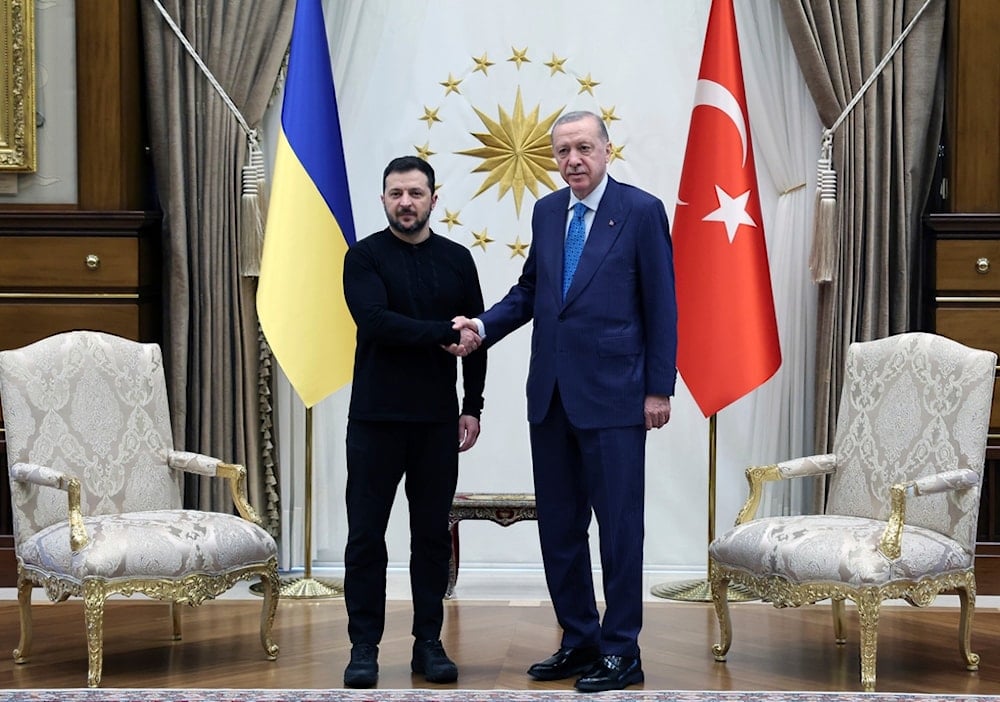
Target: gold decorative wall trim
18 147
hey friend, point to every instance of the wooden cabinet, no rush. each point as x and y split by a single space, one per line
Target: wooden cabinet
68 269
966 307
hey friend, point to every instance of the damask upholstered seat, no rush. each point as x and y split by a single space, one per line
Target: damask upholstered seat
903 501
96 489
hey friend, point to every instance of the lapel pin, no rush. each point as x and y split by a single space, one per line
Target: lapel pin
611 222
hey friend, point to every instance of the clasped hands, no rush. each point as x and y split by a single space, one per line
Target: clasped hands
469 339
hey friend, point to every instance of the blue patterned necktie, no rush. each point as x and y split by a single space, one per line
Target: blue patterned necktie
575 238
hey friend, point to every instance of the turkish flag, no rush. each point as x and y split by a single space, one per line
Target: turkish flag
726 329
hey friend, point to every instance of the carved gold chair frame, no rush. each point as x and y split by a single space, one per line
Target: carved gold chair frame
192 589
782 593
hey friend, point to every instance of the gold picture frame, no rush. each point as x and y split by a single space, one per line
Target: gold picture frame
18 145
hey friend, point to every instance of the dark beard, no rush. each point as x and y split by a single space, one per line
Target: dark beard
415 228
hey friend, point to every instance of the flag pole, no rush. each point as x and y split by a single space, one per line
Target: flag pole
307 587
700 590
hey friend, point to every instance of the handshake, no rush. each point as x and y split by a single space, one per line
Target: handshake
469 339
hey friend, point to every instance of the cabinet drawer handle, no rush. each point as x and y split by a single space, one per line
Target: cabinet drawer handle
982 265
93 261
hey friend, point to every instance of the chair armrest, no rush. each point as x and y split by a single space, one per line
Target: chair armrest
891 544
193 462
793 468
45 476
235 475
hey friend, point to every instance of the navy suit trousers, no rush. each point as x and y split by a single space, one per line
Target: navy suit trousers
579 473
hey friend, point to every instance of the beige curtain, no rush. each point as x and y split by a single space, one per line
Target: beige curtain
884 155
211 345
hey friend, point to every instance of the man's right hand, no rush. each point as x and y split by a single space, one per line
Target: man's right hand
468 339
465 323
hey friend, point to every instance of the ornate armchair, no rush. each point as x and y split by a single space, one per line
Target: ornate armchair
903 500
96 489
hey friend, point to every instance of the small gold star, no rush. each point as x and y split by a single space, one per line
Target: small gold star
430 116
481 239
587 84
519 57
424 151
451 219
609 116
518 248
482 64
451 85
616 153
555 65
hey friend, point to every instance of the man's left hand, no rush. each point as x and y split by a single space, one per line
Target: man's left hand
657 410
468 432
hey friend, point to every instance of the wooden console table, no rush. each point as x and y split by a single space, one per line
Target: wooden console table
500 508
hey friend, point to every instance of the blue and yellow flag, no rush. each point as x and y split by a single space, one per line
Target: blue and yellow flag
300 296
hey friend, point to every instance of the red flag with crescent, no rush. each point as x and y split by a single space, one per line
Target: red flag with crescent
727 332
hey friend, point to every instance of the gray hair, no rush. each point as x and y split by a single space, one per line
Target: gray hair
583 114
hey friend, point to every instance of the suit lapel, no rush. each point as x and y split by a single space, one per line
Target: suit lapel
549 250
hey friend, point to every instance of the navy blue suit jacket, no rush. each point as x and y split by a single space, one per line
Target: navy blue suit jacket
613 341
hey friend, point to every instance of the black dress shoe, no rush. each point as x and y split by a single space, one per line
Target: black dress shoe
611 673
565 663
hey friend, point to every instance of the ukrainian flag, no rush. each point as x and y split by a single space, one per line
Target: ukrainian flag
300 295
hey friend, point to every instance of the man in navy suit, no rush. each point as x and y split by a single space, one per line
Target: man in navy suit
601 375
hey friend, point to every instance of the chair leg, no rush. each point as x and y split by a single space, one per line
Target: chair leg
720 591
23 649
868 611
967 598
175 620
271 586
453 560
93 614
838 622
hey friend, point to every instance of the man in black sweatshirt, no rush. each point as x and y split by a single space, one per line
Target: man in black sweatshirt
403 286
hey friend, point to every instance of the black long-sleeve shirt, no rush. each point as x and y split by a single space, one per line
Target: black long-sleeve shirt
402 297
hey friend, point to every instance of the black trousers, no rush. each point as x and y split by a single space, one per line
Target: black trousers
379 455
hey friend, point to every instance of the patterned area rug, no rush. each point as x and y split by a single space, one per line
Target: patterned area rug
139 695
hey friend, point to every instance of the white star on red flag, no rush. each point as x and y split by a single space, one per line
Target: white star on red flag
732 212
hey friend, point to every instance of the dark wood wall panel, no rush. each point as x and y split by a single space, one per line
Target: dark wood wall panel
110 126
974 106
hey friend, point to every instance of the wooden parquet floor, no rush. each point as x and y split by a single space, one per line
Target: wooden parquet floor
493 643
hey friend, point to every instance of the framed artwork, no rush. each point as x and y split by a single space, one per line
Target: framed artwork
18 146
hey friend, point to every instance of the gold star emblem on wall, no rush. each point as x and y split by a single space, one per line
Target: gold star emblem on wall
519 57
516 152
481 239
451 85
431 116
587 84
482 64
451 219
518 248
555 65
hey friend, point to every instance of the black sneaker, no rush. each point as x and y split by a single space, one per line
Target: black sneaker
362 671
430 659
